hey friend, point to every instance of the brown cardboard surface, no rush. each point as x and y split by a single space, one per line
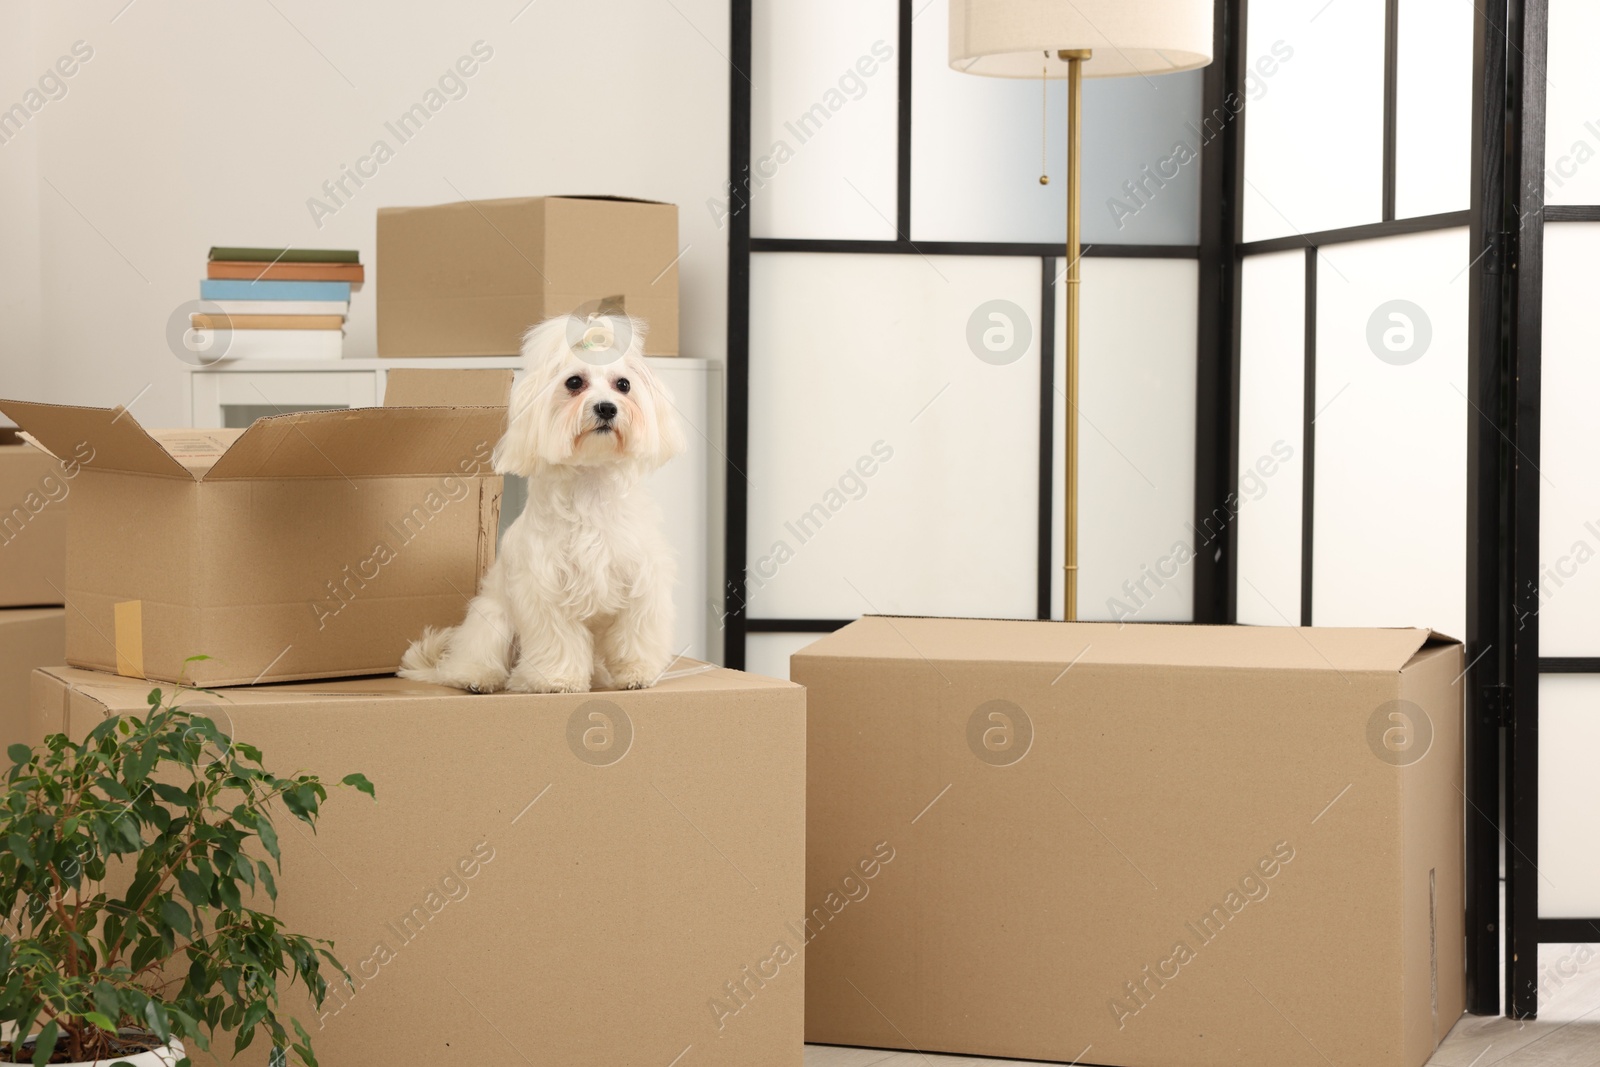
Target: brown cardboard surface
1050 863
310 545
34 491
448 388
30 638
469 278
612 902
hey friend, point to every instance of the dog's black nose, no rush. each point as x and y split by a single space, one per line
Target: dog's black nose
605 410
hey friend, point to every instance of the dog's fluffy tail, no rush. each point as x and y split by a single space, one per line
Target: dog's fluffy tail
421 660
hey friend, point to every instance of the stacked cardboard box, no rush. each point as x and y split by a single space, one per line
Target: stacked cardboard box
310 545
469 278
603 878
34 493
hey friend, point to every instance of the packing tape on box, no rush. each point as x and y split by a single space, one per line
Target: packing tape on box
127 626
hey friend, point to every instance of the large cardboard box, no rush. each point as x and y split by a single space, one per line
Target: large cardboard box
469 278
34 490
1147 845
311 545
30 638
604 878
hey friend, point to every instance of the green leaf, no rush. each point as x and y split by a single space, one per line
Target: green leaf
19 753
101 1021
268 835
19 846
176 916
154 699
196 659
156 1016
46 1044
266 878
125 835
253 1015
138 765
173 795
194 890
361 783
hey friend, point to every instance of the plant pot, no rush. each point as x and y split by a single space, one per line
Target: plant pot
166 1056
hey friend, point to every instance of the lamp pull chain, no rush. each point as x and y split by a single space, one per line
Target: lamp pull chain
1044 124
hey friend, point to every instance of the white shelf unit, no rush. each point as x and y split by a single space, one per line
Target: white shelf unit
235 393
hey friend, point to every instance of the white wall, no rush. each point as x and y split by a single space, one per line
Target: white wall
196 124
21 370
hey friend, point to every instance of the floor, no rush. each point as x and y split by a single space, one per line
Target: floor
1566 1034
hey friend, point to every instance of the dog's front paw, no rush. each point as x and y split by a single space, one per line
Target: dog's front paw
531 681
481 678
636 675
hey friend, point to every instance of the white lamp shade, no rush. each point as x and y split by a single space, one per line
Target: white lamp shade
1020 38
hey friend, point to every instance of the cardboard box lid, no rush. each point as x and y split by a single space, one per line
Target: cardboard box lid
1147 644
355 443
510 200
119 694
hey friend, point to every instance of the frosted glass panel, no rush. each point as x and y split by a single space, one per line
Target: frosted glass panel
891 468
1136 434
769 654
1391 469
1433 130
1569 796
975 152
1313 146
1271 437
823 136
1569 492
1572 125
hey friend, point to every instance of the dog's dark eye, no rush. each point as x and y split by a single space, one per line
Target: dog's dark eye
622 385
575 383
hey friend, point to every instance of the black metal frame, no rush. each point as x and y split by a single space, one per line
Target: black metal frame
1487 637
1526 23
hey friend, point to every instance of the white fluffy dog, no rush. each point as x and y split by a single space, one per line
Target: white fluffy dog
581 593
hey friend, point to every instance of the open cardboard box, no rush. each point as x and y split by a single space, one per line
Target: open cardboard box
1143 845
310 545
469 278
603 878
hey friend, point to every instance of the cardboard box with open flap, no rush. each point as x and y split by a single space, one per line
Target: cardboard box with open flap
468 278
1176 844
310 545
606 878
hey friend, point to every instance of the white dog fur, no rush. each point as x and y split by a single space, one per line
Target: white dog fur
581 593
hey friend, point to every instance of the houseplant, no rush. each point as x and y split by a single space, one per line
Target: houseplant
182 815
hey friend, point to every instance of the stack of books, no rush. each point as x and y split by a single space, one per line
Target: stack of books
276 303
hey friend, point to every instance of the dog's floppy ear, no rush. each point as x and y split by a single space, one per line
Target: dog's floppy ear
530 440
664 437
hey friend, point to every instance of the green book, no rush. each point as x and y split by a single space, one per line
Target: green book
286 255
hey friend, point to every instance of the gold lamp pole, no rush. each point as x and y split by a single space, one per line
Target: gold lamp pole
1007 39
1075 59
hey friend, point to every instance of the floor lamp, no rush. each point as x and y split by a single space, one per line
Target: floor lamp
1077 39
